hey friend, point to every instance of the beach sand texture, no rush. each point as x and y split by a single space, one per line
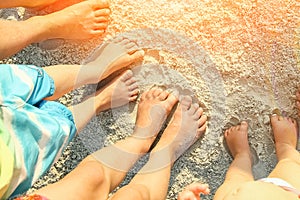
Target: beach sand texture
238 59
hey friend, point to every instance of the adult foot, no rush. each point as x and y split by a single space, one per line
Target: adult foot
122 90
112 56
298 101
187 125
285 134
79 21
237 140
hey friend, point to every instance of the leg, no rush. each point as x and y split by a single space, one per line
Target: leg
116 55
285 134
122 90
240 170
80 21
101 172
25 3
187 125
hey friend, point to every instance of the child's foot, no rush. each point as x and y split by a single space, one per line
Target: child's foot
80 21
285 134
298 101
193 191
237 140
113 56
154 107
120 91
186 126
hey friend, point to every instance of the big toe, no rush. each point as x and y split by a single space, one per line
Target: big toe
186 102
244 126
128 74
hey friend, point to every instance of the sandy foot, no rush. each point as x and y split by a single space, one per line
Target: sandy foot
79 21
112 56
237 140
154 107
285 131
193 191
187 125
122 90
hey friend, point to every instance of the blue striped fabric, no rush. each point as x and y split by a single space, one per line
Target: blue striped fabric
40 129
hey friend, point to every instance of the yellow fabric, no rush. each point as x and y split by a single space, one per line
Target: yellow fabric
6 160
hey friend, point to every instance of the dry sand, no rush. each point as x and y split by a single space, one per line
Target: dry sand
240 59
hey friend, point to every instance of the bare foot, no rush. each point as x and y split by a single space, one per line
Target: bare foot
298 101
193 191
79 21
122 90
237 140
112 56
187 125
153 109
285 133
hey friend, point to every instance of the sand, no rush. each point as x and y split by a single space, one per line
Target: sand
238 59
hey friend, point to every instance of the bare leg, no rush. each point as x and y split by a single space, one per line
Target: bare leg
25 3
116 55
120 91
187 125
240 170
285 134
100 173
80 21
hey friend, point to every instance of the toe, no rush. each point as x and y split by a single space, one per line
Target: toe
130 81
102 13
101 19
201 130
136 54
163 95
157 92
124 42
149 94
198 113
133 87
127 76
226 133
202 120
244 126
131 46
133 98
134 92
100 26
172 99
194 107
186 102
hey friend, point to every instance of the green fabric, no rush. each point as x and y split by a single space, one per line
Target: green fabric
6 158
